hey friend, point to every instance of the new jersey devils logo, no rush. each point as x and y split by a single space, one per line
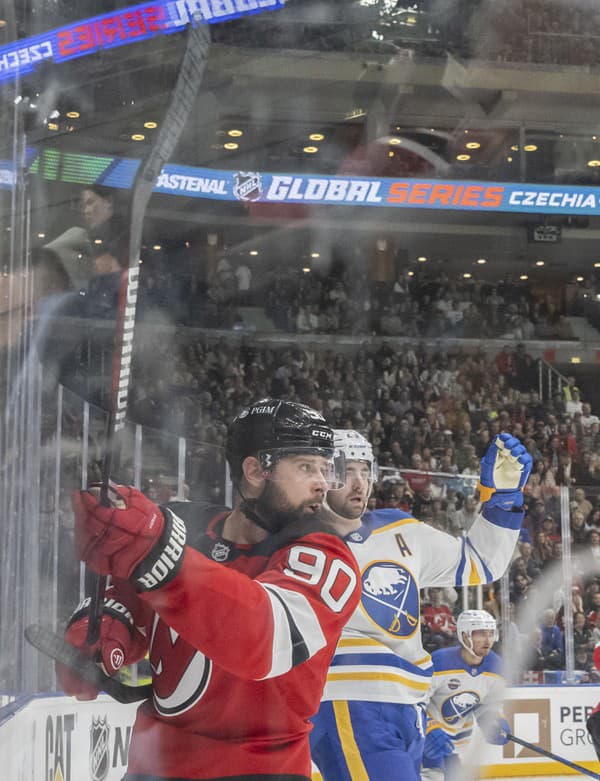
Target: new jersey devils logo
180 673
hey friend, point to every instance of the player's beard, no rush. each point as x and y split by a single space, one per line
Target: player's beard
277 510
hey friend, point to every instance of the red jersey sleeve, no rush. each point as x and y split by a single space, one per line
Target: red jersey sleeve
263 627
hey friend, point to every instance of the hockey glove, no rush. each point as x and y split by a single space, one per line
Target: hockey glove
119 643
495 728
132 540
438 746
505 469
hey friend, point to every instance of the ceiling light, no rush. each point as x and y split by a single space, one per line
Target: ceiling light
41 235
395 141
579 279
73 114
315 254
515 148
2 22
539 262
481 261
422 259
597 264
316 136
138 137
235 133
306 270
97 241
467 275
530 147
523 277
509 159
150 125
575 359
462 158
593 163
230 145
473 145
157 247
253 252
594 138
52 126
411 273
310 150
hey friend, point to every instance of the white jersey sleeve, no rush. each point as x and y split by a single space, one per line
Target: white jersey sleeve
380 656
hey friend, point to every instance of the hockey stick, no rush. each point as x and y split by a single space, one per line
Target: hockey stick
185 91
550 755
58 649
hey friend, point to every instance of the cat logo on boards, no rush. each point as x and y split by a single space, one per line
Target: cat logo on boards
59 733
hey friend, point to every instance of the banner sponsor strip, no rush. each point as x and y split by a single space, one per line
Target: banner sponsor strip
127 25
291 188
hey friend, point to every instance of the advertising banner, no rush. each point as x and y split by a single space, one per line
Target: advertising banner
127 25
311 190
55 738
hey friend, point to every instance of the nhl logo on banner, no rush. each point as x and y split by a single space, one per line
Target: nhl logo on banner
247 185
99 759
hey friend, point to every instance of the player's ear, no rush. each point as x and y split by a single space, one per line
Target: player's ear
252 471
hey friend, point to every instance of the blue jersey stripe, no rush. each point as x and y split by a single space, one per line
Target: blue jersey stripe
461 567
380 660
488 575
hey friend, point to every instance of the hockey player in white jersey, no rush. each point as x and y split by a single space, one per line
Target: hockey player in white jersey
370 725
467 687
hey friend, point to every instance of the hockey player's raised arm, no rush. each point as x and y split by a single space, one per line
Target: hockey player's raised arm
484 554
253 628
261 628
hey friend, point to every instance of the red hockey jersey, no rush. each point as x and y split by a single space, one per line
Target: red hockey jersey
240 642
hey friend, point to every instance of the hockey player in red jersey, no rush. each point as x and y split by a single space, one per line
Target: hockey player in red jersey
240 610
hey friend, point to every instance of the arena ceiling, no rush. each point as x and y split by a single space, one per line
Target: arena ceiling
360 94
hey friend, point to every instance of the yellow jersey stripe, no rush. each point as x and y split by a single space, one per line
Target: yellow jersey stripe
358 771
377 677
349 643
395 525
474 576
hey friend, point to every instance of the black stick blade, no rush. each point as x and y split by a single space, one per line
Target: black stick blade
54 646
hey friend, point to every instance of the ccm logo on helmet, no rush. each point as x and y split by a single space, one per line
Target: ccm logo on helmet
328 435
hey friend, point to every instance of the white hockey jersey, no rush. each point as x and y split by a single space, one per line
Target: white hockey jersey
458 690
380 656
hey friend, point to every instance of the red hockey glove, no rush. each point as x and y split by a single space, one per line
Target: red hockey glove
119 643
132 540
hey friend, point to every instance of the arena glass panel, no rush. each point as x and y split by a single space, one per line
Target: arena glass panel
384 212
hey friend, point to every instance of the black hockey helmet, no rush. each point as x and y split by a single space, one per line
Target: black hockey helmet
271 429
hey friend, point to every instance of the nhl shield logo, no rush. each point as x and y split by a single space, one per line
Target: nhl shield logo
247 185
99 759
220 551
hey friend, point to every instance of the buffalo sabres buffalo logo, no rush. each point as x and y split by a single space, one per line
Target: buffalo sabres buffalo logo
459 705
390 598
99 759
247 185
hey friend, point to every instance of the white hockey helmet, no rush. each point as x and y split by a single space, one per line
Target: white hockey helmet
355 447
471 620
